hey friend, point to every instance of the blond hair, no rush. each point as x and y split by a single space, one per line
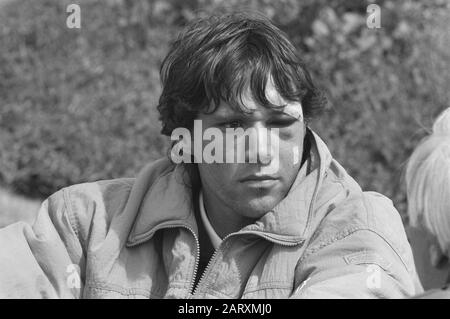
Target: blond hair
428 182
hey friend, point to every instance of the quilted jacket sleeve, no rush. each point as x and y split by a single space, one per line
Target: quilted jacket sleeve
356 264
45 260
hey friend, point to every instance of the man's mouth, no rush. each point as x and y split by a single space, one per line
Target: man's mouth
259 180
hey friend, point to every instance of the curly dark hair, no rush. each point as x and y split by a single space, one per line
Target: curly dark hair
219 57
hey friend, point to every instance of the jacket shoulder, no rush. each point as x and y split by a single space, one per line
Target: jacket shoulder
108 193
359 230
92 206
86 203
369 214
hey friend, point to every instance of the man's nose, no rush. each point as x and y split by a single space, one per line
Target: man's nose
262 148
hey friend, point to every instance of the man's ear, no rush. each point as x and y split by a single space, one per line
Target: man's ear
438 258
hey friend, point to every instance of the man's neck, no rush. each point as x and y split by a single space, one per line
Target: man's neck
222 218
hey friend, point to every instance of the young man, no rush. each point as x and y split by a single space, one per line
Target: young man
284 221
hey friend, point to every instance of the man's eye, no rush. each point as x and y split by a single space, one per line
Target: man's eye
281 123
233 124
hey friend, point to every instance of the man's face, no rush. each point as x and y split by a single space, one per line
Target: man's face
250 190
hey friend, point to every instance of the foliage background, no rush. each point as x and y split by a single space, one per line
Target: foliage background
79 105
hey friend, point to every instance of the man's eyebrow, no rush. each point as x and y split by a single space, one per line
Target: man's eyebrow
280 113
218 117
227 116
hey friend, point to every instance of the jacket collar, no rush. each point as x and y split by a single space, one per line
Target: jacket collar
163 199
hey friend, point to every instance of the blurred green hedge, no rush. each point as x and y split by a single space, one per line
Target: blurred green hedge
79 105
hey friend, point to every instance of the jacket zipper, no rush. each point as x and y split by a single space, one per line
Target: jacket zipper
287 244
193 291
197 255
209 264
197 258
197 244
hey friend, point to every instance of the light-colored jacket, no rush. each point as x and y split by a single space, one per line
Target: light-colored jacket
138 238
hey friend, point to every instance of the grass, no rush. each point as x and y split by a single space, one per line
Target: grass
14 208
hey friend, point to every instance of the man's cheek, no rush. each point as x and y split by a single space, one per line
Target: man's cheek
290 155
221 173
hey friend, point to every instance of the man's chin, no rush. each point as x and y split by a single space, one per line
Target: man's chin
257 207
